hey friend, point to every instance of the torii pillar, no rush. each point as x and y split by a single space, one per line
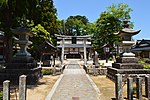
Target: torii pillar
85 58
62 51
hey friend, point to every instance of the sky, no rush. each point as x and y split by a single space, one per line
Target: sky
93 8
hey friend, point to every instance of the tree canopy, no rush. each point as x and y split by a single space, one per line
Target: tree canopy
41 17
38 12
75 25
110 22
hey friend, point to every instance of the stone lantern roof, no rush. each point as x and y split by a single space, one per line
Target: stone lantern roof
22 31
127 31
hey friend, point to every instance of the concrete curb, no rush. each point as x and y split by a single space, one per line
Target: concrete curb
50 94
93 84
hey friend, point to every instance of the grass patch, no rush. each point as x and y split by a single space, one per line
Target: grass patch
143 61
47 71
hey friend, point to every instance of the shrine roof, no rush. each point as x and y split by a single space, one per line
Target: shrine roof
141 45
46 47
69 37
75 46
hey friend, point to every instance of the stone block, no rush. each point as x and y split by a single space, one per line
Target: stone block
22 87
127 66
127 60
130 88
139 88
111 72
118 87
147 86
33 75
6 90
21 65
23 60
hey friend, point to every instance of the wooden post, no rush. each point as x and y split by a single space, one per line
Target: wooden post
6 90
22 87
118 87
130 88
139 88
147 86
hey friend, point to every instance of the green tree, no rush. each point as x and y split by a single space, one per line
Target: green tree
45 14
11 12
110 22
90 28
76 25
41 15
45 24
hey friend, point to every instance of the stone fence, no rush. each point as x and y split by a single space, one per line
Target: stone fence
95 70
130 89
22 88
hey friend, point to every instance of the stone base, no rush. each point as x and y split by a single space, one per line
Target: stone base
21 66
33 75
128 54
127 60
24 59
127 66
111 73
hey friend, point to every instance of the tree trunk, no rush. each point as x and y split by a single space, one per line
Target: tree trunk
8 49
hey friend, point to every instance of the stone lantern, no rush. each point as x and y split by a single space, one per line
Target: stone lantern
23 63
23 41
127 64
127 42
106 49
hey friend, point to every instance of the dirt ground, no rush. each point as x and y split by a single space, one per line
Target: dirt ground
106 87
39 91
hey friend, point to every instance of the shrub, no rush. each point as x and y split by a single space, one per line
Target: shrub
146 65
47 71
1 95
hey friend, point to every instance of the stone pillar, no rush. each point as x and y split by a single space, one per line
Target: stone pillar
81 56
85 60
147 86
6 90
94 70
89 57
130 88
54 70
118 87
139 88
65 57
22 87
96 59
62 51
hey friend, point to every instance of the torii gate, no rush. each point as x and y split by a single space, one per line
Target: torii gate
63 37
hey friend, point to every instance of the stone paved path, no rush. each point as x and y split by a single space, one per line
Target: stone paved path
74 85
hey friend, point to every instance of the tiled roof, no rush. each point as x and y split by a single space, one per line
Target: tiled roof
141 45
75 46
